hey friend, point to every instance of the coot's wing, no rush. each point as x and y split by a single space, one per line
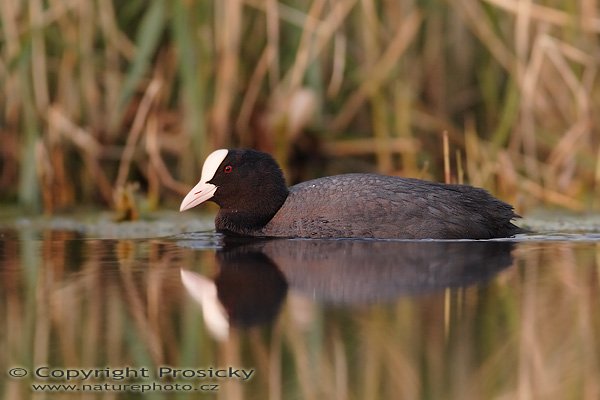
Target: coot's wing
369 205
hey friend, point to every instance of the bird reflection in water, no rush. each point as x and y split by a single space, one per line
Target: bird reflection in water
255 275
247 291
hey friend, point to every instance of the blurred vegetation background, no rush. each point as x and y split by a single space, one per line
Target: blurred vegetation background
100 94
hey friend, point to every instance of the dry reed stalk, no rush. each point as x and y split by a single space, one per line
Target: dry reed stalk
575 139
475 16
596 201
460 173
526 131
87 145
286 13
427 122
352 147
381 134
304 51
117 38
45 176
323 35
522 34
273 27
548 14
508 183
404 36
250 98
473 155
38 50
338 68
10 12
119 46
12 89
402 126
588 17
156 161
229 14
561 161
379 113
559 59
88 81
78 136
63 189
433 60
136 130
55 11
547 195
446 155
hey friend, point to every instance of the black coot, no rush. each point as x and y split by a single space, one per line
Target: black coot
250 188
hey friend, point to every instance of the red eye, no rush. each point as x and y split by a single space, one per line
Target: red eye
228 169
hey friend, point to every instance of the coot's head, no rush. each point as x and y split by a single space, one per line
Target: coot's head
248 185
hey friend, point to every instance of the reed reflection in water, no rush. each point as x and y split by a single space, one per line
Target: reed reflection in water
315 319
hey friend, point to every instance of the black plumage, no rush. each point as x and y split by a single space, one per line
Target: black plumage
255 201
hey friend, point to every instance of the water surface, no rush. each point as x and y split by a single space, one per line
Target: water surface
198 315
